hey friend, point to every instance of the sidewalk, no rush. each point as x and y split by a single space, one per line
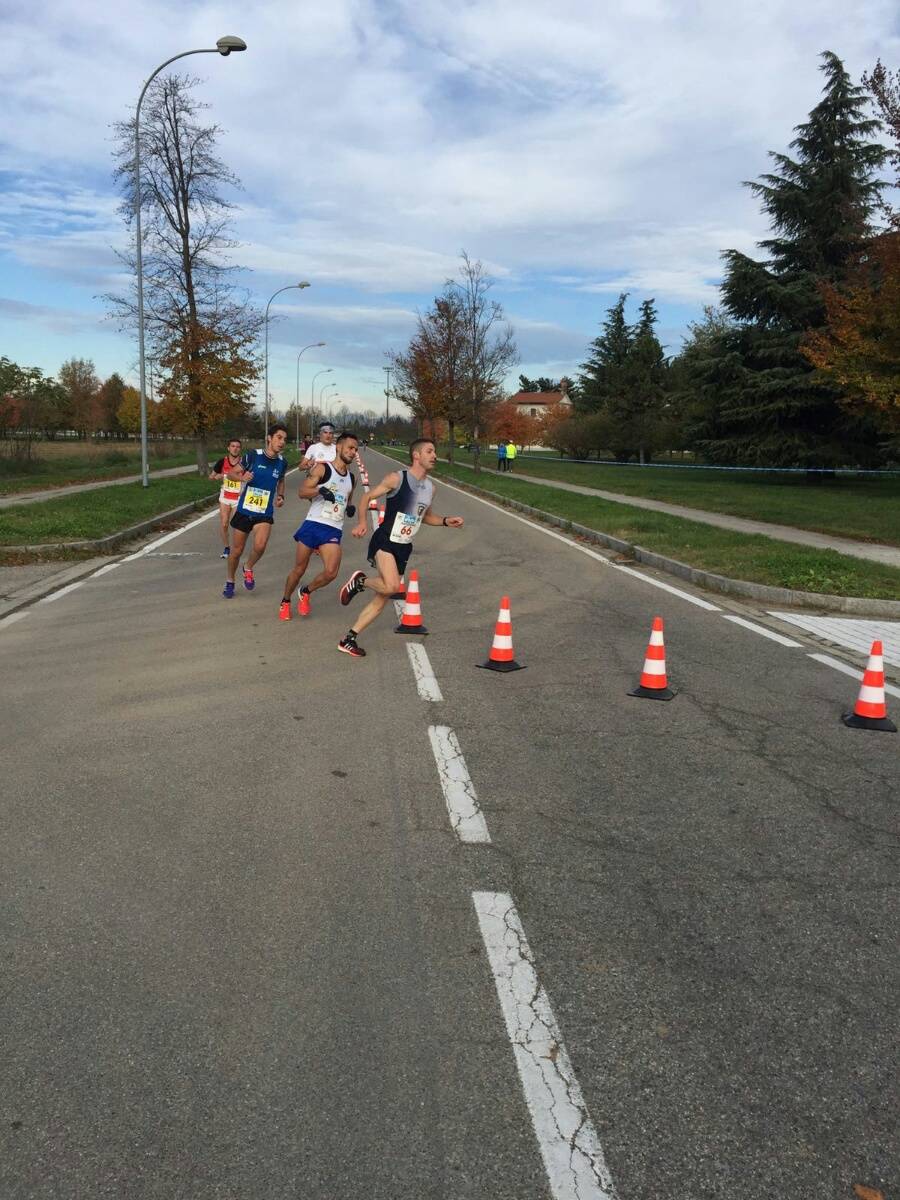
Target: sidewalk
14 498
872 552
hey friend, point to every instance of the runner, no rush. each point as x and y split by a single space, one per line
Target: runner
230 491
324 450
263 479
408 505
330 488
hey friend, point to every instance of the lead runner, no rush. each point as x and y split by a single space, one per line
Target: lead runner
409 495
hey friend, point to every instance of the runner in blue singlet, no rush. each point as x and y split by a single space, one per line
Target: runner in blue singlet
409 495
263 492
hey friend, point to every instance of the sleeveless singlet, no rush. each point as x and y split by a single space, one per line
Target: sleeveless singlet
327 512
405 507
230 491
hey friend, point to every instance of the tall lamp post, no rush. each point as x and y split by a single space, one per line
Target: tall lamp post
387 393
302 284
224 46
325 387
312 392
297 396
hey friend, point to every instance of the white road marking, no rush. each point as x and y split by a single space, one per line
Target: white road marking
853 672
466 817
70 587
657 583
426 681
105 570
168 537
769 633
570 1148
13 617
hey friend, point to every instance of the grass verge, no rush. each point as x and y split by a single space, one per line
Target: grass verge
863 507
99 513
750 557
45 474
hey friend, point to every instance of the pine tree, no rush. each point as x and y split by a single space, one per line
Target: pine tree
763 402
599 378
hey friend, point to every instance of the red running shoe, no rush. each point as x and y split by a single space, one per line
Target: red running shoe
303 604
284 612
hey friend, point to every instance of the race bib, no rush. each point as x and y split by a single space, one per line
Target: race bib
257 499
231 488
335 512
405 527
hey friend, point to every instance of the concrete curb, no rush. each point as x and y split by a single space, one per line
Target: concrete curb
854 605
51 583
123 535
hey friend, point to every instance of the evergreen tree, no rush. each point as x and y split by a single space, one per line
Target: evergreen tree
761 401
599 380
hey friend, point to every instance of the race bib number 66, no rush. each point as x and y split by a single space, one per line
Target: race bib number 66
405 527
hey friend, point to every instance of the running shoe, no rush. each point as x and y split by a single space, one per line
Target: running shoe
249 581
225 552
303 604
228 593
348 646
284 613
353 587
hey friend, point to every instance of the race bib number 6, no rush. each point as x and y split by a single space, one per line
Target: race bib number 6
257 499
405 527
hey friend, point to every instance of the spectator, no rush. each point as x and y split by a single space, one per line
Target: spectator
510 455
501 455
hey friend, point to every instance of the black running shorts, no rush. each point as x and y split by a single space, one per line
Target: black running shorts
246 524
381 541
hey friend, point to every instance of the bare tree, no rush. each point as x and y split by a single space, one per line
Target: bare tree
491 349
198 325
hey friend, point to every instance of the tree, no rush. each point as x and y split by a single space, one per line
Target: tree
858 347
600 376
635 404
78 379
884 88
441 336
507 421
109 398
128 414
766 405
30 403
196 320
490 345
543 384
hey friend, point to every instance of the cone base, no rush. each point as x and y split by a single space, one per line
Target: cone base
411 629
644 693
852 721
502 667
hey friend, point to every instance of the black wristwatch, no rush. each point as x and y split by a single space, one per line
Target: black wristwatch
443 520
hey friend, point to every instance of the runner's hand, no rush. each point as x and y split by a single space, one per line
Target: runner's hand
455 522
327 494
359 530
279 500
351 510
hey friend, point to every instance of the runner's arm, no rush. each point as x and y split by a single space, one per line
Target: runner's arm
431 518
218 471
388 484
309 488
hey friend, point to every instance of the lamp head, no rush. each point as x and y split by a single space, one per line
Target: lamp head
225 45
303 283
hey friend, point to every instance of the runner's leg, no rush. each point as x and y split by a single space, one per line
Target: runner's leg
384 585
331 562
226 512
301 562
238 541
260 541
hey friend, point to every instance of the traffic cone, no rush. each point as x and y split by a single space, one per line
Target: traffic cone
501 655
654 685
373 506
380 516
870 711
411 621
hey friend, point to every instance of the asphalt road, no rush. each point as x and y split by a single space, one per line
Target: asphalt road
241 950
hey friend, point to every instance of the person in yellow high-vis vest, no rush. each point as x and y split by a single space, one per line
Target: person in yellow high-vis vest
510 455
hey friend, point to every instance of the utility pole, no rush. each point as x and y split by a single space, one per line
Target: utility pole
387 394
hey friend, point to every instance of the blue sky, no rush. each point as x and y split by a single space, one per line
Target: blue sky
576 151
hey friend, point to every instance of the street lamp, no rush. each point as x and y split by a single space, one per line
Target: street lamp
302 284
325 388
312 392
387 392
297 397
224 46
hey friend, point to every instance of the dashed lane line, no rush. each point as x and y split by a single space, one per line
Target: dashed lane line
466 817
846 669
760 629
426 681
572 1154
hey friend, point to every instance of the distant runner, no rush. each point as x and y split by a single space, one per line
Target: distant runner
324 450
330 488
408 506
231 471
263 479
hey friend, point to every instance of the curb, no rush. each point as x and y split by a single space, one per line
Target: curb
855 605
123 535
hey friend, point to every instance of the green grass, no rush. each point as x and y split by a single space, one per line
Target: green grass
753 557
863 507
86 464
99 513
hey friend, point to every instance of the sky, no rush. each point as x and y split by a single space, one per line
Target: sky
577 151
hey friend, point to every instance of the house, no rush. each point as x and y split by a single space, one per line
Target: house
535 404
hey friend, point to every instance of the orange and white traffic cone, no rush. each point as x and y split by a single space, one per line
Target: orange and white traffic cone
501 655
373 506
411 621
654 683
870 711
